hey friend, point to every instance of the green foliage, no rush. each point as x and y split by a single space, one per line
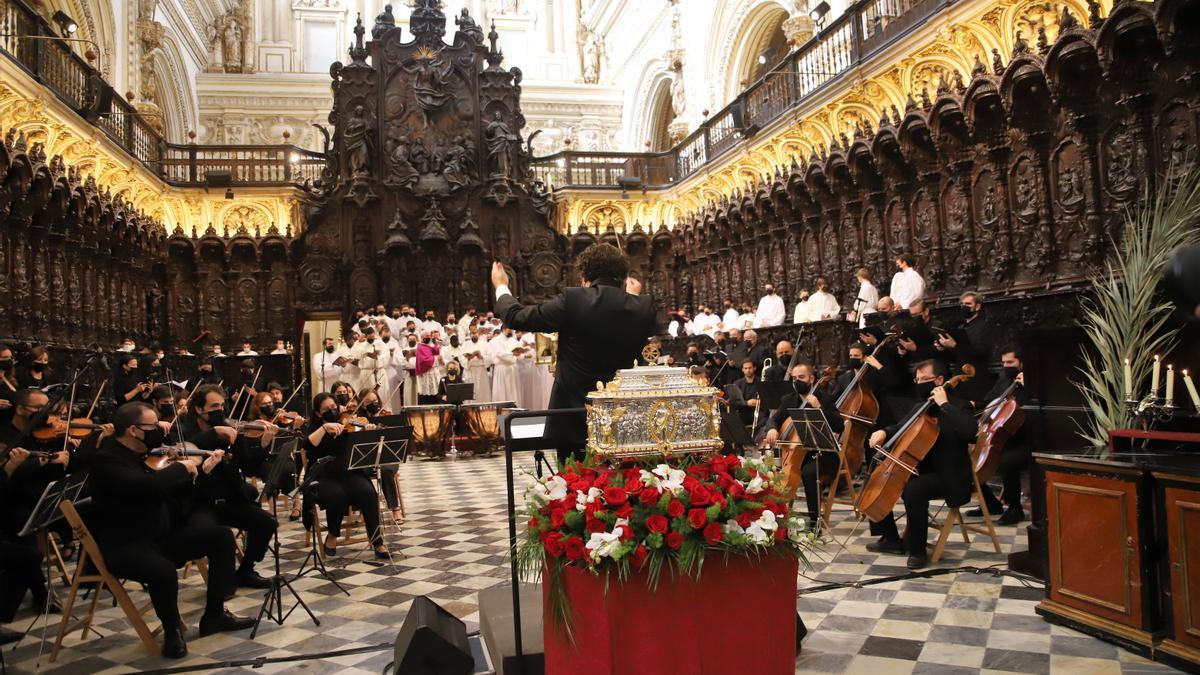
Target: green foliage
1124 318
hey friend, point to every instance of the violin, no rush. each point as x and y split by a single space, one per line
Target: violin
901 455
159 458
859 408
1001 419
56 428
287 419
352 422
794 451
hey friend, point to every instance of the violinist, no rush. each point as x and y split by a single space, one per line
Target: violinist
30 479
256 459
1017 452
945 473
138 524
205 374
162 399
335 487
38 373
343 395
223 497
370 404
20 561
8 383
818 468
127 386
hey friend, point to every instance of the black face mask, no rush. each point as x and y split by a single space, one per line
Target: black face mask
166 411
386 338
373 408
924 390
453 342
371 341
412 343
395 315
37 367
6 364
154 438
267 410
341 399
801 387
204 372
1011 372
330 415
329 349
856 363
247 372
216 418
967 312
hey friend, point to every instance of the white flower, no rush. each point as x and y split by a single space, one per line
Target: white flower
669 479
556 488
755 485
797 524
580 501
757 534
732 527
767 520
604 544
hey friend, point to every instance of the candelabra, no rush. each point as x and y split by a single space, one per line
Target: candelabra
1152 410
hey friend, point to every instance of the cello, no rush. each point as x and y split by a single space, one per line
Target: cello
859 408
1000 421
900 457
789 437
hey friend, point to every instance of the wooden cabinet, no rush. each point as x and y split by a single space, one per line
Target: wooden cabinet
1099 579
1181 511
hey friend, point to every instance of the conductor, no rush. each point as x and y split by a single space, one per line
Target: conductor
602 327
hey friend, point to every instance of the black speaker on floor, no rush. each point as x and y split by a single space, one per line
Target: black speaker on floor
432 641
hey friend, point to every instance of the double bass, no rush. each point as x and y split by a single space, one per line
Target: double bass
900 457
859 408
1000 421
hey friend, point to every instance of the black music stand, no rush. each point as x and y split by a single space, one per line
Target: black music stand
813 430
733 394
310 501
46 512
375 448
389 421
771 393
459 392
282 463
733 430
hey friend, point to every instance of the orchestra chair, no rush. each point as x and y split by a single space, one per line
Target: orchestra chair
99 579
955 516
353 520
841 479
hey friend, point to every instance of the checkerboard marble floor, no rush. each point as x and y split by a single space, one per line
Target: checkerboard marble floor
452 544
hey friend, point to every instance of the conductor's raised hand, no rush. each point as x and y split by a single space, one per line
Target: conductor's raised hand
499 275
633 286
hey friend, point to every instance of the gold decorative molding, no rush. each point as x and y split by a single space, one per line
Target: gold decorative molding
947 44
28 108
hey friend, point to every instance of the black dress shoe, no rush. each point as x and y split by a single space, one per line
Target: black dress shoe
1011 516
223 623
9 636
248 578
918 560
885 545
174 646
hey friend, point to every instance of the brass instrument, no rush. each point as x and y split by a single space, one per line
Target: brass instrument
767 363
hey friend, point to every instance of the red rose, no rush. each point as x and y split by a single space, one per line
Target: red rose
534 523
626 532
593 507
674 540
553 544
573 547
724 481
569 476
744 519
697 518
557 518
720 467
776 508
648 496
675 508
736 490
615 496
700 470
713 534
596 525
580 485
626 511
639 555
780 533
701 496
657 523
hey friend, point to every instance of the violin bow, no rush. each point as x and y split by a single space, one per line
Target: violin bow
294 392
70 409
92 408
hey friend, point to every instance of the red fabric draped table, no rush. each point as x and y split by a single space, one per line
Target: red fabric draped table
740 617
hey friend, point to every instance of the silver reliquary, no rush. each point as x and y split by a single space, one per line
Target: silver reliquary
652 411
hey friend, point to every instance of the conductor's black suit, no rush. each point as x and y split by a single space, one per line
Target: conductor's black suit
601 329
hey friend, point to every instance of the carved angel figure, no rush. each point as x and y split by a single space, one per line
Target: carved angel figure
358 143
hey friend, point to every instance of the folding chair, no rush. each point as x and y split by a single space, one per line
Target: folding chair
955 515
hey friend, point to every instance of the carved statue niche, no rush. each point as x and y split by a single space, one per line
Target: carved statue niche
401 170
499 139
356 144
433 224
430 83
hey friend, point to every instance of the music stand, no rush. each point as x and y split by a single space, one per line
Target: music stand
46 512
771 394
733 430
282 463
389 421
733 394
375 448
813 430
459 392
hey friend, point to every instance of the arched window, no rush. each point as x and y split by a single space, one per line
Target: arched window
662 113
760 47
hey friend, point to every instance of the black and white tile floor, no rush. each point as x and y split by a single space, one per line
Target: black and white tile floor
453 544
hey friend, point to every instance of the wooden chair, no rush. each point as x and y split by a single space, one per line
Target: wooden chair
840 479
99 580
955 516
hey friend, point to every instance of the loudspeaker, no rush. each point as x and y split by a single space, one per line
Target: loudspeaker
737 112
218 178
432 641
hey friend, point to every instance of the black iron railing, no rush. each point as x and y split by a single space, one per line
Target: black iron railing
857 35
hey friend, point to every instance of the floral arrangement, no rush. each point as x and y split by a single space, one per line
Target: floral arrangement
645 516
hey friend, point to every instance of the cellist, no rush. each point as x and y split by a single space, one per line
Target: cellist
1016 453
818 467
945 473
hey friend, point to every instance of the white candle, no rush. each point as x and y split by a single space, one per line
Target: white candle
1154 377
1170 383
1191 387
1128 380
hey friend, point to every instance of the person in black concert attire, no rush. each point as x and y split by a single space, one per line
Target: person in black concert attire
748 385
945 473
162 399
222 496
20 561
817 465
255 460
975 348
1017 452
205 374
916 343
127 383
137 522
334 486
8 383
38 373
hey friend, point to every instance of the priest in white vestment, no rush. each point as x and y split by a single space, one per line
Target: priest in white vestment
325 371
822 305
504 368
478 358
771 310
